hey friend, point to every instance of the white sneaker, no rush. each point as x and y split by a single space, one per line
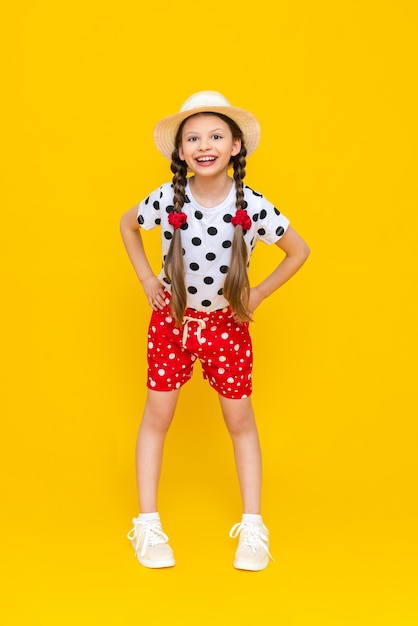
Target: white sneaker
151 544
253 548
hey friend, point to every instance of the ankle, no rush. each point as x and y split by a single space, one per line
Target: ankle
149 517
252 518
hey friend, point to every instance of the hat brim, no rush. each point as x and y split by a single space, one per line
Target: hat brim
166 129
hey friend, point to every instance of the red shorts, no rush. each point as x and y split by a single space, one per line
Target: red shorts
222 345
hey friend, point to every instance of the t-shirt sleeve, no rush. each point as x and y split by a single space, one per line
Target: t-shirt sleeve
149 213
271 223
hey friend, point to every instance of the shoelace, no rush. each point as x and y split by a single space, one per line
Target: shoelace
252 535
153 535
201 325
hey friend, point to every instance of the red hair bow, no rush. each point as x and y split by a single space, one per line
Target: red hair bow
241 218
177 219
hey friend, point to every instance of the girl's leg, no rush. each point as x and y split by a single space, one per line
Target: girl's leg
158 415
240 421
253 547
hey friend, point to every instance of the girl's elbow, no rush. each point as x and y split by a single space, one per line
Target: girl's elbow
305 252
122 219
122 224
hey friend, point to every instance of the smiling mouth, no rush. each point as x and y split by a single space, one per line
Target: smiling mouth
205 159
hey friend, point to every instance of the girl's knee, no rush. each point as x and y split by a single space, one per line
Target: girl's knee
240 423
157 420
159 410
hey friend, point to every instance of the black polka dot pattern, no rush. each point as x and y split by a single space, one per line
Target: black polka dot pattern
206 238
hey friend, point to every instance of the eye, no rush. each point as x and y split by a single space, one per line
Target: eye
216 136
192 138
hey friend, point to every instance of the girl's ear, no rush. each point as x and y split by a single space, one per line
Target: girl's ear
236 147
181 153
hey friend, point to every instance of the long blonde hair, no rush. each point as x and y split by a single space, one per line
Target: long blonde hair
237 287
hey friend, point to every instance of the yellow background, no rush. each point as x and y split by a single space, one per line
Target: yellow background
334 86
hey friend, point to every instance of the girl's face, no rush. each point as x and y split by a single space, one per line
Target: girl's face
207 145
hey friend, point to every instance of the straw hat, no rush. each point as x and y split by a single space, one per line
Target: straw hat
210 102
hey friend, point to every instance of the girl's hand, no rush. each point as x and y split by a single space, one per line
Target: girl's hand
254 300
154 292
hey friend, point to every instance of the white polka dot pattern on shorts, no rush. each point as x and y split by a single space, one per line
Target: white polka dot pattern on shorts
226 363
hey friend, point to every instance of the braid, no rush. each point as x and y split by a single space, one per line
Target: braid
239 174
179 169
237 284
174 264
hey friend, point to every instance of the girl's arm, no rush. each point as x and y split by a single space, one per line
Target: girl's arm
297 251
132 239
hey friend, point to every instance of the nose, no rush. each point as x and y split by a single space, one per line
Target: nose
204 144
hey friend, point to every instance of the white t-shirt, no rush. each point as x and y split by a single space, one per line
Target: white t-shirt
207 238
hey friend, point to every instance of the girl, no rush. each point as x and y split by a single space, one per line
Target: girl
202 302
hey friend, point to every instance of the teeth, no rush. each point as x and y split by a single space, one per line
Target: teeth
206 159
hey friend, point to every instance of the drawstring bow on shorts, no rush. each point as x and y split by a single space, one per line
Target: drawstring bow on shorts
201 325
